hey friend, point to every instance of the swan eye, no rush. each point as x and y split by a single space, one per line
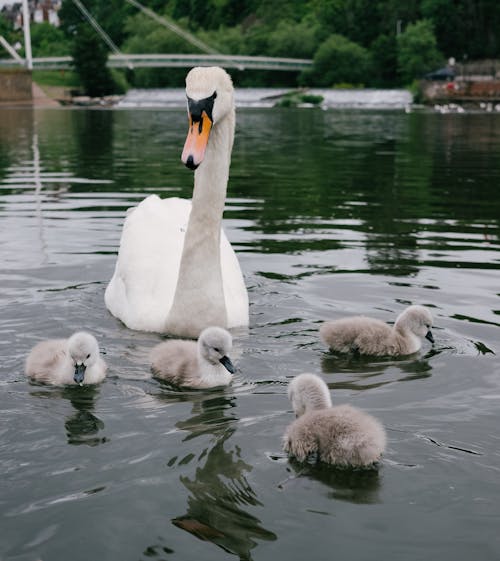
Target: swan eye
88 356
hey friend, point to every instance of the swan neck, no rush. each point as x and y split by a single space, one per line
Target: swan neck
199 296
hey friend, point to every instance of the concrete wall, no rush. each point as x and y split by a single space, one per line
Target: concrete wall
15 85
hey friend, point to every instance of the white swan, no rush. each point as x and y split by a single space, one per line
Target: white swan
372 336
66 361
340 435
176 271
204 364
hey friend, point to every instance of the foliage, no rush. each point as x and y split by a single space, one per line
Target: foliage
62 78
89 58
339 60
47 40
110 14
465 28
294 39
384 57
380 44
295 99
11 36
417 51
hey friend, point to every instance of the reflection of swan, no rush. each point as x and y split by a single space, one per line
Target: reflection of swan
83 426
371 336
67 361
341 435
355 371
217 494
219 490
360 486
204 364
176 271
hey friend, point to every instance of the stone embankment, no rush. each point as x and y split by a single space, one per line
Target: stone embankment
15 86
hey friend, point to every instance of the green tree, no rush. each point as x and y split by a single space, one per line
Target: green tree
385 63
294 39
111 15
465 26
339 60
417 51
11 35
146 36
47 40
89 58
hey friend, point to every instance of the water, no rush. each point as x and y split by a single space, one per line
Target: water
332 213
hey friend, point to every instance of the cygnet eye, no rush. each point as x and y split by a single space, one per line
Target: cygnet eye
217 350
88 356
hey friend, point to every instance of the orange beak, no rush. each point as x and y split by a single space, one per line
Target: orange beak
196 141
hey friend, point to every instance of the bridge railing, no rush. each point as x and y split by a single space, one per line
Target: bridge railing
176 60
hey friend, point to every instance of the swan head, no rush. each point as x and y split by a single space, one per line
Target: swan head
417 320
214 344
209 92
308 392
83 351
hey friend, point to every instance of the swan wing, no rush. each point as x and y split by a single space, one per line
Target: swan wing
142 288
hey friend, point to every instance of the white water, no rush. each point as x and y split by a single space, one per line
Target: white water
268 97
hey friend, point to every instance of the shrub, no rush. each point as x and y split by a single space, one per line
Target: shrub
417 51
89 59
339 60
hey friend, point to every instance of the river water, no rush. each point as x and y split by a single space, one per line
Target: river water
332 213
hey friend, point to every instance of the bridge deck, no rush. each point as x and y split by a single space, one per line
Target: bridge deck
176 60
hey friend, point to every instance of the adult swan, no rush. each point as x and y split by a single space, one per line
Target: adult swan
176 272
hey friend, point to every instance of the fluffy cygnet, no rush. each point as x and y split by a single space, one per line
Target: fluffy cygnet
67 361
371 336
340 435
202 364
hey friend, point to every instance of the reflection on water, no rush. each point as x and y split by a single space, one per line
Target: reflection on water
359 486
82 426
376 372
218 495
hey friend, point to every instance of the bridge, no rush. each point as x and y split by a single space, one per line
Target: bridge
174 60
125 60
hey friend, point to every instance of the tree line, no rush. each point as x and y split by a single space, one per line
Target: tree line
378 43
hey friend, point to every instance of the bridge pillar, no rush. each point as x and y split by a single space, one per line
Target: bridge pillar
15 85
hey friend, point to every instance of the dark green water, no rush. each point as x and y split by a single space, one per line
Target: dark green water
332 214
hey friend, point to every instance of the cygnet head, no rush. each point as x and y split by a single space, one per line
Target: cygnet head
83 351
209 92
416 319
214 344
308 392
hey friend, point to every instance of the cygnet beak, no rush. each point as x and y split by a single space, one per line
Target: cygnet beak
79 373
228 365
429 336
